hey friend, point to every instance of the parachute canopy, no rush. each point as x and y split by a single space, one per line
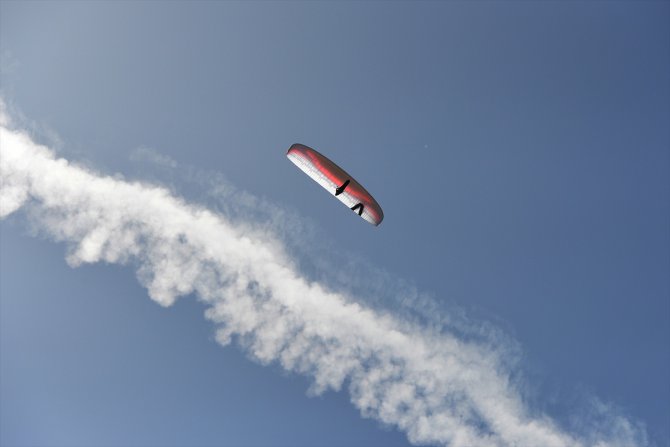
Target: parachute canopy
335 180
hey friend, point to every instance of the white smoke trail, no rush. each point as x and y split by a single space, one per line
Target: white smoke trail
437 387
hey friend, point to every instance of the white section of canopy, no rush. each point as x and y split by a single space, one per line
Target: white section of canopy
312 171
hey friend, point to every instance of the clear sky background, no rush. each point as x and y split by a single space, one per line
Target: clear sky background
520 152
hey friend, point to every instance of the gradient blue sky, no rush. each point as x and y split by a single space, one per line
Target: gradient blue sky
520 152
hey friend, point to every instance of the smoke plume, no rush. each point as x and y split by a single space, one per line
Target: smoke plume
436 386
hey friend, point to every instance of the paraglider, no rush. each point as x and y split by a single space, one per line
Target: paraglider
336 180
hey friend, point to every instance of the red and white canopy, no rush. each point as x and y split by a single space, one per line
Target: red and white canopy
335 180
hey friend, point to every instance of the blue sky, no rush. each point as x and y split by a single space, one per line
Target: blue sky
520 152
